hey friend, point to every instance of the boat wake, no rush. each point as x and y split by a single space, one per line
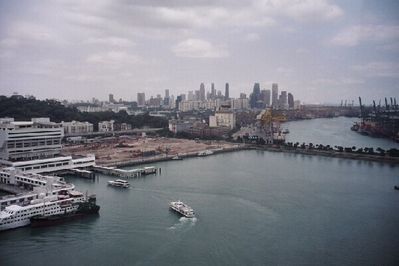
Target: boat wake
184 223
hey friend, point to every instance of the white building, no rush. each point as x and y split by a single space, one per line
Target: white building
76 127
239 104
53 164
106 126
29 139
223 118
34 147
177 126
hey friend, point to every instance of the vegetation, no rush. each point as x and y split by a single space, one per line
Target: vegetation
25 108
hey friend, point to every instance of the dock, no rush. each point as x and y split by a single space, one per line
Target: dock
125 173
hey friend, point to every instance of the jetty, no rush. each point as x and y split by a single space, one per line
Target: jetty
125 173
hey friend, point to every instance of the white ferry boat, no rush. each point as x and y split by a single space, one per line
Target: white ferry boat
14 216
182 208
119 183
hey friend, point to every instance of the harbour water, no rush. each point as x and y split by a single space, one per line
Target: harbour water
333 131
252 208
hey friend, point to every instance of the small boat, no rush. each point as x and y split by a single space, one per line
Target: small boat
119 183
182 208
396 187
286 131
177 158
205 153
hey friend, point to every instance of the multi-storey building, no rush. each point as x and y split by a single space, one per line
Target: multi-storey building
29 139
76 127
275 95
106 126
223 118
141 99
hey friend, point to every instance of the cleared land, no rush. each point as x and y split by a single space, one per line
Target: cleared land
115 151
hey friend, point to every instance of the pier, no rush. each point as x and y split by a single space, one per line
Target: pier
125 173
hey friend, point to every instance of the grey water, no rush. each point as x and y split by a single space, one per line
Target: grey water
252 208
333 132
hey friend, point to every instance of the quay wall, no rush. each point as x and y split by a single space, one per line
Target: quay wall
335 154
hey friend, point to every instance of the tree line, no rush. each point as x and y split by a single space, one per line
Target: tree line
22 109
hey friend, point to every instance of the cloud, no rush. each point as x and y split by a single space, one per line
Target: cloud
355 35
113 59
197 48
27 31
252 37
111 41
378 69
301 10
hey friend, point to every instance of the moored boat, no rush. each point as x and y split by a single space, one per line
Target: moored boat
182 208
119 183
87 207
205 153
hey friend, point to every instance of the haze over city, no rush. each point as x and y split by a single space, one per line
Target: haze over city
321 51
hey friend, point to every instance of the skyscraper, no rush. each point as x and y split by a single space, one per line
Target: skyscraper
202 92
283 100
111 98
265 96
213 91
290 101
141 99
167 93
255 96
226 92
275 95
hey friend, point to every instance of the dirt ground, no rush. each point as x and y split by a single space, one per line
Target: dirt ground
124 149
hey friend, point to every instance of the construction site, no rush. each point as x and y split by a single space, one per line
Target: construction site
267 128
132 150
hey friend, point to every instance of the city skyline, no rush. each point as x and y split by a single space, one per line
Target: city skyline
320 51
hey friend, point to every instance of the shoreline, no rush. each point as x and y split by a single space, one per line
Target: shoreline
240 147
163 158
332 154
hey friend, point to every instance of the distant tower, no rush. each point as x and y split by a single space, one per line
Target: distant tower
226 92
202 92
213 91
141 99
166 99
111 98
255 95
265 96
290 101
275 95
283 100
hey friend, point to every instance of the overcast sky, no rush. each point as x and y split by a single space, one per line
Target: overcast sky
321 51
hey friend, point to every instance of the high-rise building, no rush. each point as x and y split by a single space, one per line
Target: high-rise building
275 95
283 100
202 92
166 99
213 91
111 98
141 99
190 96
291 101
243 96
265 96
226 92
255 96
